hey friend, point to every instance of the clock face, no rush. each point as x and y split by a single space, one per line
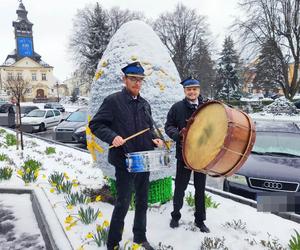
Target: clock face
25 46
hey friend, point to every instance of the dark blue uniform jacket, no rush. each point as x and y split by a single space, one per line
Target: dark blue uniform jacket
177 118
122 115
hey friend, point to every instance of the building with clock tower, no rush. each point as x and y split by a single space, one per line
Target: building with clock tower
24 62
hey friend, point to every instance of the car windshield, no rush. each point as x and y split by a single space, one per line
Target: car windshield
36 113
77 116
277 142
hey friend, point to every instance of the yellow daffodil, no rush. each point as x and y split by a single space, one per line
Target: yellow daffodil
89 236
52 190
27 170
135 246
75 184
66 176
68 219
98 198
105 223
36 174
80 248
68 228
74 181
100 215
70 207
20 172
44 176
99 228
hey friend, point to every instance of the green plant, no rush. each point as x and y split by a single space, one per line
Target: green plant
76 198
64 187
210 203
190 199
29 171
3 157
294 242
88 215
2 131
56 178
50 150
5 173
11 139
101 235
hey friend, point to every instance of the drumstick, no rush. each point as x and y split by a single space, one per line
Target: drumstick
132 136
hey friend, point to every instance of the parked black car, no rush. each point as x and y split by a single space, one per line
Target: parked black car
274 164
53 105
26 109
297 104
73 128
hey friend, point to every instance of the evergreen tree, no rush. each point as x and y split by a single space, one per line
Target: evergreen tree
203 68
269 76
93 27
227 80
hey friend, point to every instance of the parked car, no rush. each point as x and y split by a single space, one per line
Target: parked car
7 115
297 104
41 119
73 128
26 109
54 105
274 163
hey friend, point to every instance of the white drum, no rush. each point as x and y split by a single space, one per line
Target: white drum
147 161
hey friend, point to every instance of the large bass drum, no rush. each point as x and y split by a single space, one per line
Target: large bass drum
218 139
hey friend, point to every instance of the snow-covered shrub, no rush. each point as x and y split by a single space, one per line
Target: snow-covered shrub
213 243
281 106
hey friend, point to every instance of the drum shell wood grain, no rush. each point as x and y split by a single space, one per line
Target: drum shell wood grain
237 144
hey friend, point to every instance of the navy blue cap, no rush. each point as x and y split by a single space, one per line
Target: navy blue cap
190 82
133 69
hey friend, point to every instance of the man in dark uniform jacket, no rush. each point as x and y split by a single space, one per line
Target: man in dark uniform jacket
123 114
177 118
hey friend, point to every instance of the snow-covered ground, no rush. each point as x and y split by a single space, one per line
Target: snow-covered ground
15 215
234 225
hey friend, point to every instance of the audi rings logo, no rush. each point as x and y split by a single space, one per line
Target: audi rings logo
272 185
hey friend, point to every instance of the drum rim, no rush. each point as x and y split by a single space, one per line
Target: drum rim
220 154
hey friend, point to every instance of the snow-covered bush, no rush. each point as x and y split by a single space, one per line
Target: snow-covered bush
281 106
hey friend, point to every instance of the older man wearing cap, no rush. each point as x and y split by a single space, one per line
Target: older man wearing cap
123 114
177 118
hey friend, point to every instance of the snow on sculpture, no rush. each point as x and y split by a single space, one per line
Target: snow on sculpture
136 41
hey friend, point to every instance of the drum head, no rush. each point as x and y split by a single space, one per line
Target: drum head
205 135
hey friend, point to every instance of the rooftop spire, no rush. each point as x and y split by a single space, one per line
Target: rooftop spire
22 12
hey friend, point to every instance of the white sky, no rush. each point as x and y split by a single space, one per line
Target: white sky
52 21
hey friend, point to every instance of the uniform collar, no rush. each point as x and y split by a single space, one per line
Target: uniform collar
129 97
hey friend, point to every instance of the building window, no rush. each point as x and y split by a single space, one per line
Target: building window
33 76
9 76
44 77
19 76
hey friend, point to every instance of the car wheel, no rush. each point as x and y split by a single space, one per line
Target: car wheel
42 127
